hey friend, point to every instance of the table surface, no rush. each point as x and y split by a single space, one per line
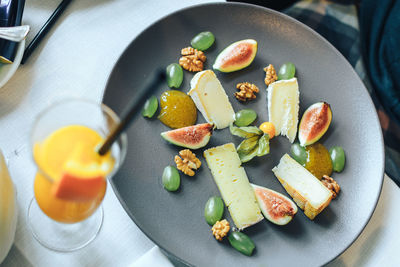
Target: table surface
74 60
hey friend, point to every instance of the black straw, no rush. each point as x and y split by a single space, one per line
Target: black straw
133 110
45 29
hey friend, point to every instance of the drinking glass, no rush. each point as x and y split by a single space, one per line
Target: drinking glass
67 225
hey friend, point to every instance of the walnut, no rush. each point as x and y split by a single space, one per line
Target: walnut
220 229
191 51
192 59
247 91
331 185
188 162
270 74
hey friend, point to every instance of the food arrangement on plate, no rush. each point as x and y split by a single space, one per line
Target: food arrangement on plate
305 174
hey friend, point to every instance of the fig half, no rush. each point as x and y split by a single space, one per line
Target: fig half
275 207
192 137
314 123
236 56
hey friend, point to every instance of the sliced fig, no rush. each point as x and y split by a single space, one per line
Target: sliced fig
192 137
236 56
277 208
314 123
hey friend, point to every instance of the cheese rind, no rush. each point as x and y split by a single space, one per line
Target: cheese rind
233 184
283 107
306 190
210 98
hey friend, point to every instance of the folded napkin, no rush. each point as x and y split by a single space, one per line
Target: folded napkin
154 258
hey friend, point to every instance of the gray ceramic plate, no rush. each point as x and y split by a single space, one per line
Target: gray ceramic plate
175 221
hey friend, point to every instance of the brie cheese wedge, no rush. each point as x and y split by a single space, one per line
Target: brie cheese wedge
307 191
210 98
283 107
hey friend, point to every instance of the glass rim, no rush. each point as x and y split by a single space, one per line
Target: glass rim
123 138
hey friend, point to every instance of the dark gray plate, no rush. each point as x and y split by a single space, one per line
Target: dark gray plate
175 221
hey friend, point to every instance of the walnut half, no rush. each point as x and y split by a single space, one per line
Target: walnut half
270 74
221 229
331 185
246 91
192 59
188 162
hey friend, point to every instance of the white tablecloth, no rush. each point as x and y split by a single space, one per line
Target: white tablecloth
75 59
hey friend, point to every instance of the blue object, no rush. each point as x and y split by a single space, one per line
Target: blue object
370 41
10 15
380 47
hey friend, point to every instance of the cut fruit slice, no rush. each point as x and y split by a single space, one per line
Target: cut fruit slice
306 190
210 98
83 176
276 207
233 184
76 188
236 56
314 123
192 137
283 107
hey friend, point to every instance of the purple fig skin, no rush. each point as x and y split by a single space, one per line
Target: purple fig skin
192 137
314 123
236 56
275 207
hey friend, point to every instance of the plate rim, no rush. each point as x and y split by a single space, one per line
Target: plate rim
10 69
300 24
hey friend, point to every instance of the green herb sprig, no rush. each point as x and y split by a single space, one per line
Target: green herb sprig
255 143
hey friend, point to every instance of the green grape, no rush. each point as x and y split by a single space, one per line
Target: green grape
299 153
287 71
245 117
213 210
150 107
241 242
171 179
338 158
203 41
174 75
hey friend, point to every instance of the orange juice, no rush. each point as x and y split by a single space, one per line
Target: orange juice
70 152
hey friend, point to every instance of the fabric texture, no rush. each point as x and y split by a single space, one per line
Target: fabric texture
373 51
380 43
380 34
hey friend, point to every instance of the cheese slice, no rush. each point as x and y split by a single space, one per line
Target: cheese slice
283 107
210 98
233 185
306 190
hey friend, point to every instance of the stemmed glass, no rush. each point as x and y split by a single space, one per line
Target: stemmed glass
60 224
